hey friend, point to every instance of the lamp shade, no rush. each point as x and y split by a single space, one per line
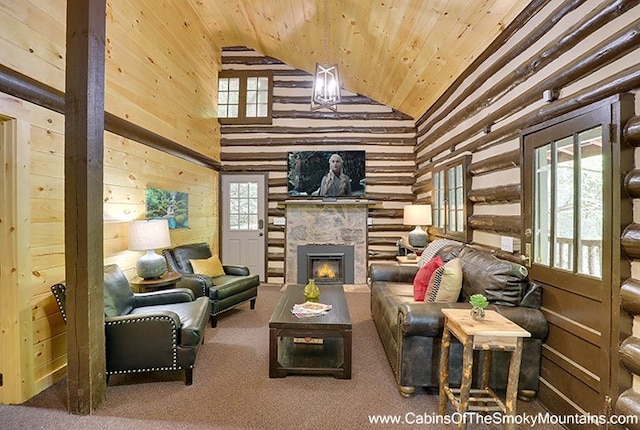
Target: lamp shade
152 234
147 236
417 215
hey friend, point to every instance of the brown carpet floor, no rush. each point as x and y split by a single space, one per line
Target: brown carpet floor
232 390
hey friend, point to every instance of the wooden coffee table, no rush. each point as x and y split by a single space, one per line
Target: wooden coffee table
318 345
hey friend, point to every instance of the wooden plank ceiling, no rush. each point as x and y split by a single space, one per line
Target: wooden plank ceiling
403 53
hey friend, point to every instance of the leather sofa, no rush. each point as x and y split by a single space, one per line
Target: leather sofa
411 332
225 292
160 330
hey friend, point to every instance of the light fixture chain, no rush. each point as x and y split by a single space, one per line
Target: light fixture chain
326 32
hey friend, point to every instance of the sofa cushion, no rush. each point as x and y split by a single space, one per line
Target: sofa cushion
502 282
230 285
211 266
421 281
446 283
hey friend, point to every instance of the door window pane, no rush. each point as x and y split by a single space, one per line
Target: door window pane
591 212
243 206
542 204
564 204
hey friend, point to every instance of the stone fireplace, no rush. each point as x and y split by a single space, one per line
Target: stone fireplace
334 233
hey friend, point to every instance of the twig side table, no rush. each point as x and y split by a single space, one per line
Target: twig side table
492 333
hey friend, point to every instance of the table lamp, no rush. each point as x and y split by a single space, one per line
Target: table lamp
417 215
148 236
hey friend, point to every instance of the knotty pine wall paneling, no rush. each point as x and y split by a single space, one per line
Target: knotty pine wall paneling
387 136
164 81
581 51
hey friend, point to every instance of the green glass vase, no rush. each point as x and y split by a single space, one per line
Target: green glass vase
311 291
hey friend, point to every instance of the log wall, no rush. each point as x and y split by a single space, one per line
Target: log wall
151 88
387 136
582 52
629 401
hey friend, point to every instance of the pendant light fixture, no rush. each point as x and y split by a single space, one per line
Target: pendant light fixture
326 80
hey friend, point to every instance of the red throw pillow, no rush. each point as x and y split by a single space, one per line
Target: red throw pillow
421 280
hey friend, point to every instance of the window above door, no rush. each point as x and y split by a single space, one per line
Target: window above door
245 97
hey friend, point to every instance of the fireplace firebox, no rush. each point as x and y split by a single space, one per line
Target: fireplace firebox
326 264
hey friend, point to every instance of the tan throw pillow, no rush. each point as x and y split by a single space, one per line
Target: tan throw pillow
446 283
211 266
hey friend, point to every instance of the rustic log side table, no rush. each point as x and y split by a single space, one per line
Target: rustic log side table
492 333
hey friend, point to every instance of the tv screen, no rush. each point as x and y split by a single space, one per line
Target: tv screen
326 174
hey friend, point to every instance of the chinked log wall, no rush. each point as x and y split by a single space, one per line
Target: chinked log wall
582 52
387 136
629 401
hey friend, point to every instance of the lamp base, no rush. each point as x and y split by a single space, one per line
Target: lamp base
418 237
151 265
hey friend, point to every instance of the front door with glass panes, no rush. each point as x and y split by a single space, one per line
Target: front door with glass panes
567 239
242 222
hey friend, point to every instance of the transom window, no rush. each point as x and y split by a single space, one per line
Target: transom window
244 97
450 188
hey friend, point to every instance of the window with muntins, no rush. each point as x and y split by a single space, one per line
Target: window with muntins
448 199
244 97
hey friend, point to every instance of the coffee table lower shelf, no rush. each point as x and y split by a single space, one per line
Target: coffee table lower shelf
289 357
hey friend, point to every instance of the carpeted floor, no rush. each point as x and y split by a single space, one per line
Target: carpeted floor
232 390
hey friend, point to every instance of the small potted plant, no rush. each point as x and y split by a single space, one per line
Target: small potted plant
478 303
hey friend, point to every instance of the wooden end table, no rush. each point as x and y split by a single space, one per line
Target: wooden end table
168 280
493 333
317 345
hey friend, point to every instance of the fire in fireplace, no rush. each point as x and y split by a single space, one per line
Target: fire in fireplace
326 269
326 264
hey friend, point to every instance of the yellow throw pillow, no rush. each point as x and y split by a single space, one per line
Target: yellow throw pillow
211 266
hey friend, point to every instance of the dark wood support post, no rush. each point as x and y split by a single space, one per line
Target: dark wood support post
83 172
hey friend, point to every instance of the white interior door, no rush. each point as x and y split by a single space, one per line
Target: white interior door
243 221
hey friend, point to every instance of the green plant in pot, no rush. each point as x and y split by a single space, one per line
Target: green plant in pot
478 303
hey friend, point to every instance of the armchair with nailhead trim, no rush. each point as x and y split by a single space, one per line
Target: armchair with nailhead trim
144 332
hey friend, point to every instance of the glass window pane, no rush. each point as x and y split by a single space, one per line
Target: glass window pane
251 111
252 84
234 97
233 222
223 98
542 199
591 213
263 84
262 111
564 204
223 84
234 84
233 111
223 111
251 97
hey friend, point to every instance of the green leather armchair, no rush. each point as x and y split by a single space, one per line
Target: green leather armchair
161 330
225 292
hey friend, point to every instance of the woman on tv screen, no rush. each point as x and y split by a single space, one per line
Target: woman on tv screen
335 182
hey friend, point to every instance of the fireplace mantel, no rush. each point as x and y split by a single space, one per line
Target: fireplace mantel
317 222
338 202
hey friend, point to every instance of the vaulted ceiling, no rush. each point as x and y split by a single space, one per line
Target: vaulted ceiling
403 53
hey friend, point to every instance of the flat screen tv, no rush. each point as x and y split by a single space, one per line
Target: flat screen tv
326 174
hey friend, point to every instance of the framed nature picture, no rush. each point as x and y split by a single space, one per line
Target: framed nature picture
170 205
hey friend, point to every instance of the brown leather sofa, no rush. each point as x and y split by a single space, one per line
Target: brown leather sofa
161 330
225 292
411 332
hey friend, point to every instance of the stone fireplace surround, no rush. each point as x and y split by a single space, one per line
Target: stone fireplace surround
313 222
